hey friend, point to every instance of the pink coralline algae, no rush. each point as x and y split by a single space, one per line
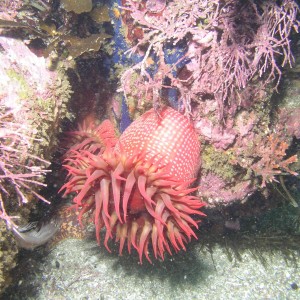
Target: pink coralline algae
32 101
289 121
155 6
222 60
216 190
229 44
216 135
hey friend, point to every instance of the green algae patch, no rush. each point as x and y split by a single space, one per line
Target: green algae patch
25 91
217 162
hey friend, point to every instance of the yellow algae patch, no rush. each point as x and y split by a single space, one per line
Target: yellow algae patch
100 14
77 46
77 6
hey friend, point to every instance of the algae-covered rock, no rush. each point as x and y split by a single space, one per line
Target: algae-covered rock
32 104
8 252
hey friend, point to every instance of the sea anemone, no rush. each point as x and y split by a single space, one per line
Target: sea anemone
139 190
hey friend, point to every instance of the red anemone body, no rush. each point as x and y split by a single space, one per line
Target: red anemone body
139 189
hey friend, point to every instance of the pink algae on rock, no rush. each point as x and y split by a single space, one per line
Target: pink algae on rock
32 103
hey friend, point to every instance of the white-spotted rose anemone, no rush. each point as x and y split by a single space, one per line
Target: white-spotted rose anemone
139 189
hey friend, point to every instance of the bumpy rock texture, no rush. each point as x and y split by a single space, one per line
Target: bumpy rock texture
32 103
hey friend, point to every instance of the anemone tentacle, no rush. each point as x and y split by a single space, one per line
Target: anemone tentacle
162 202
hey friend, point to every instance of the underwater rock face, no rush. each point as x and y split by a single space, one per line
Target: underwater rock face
32 103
